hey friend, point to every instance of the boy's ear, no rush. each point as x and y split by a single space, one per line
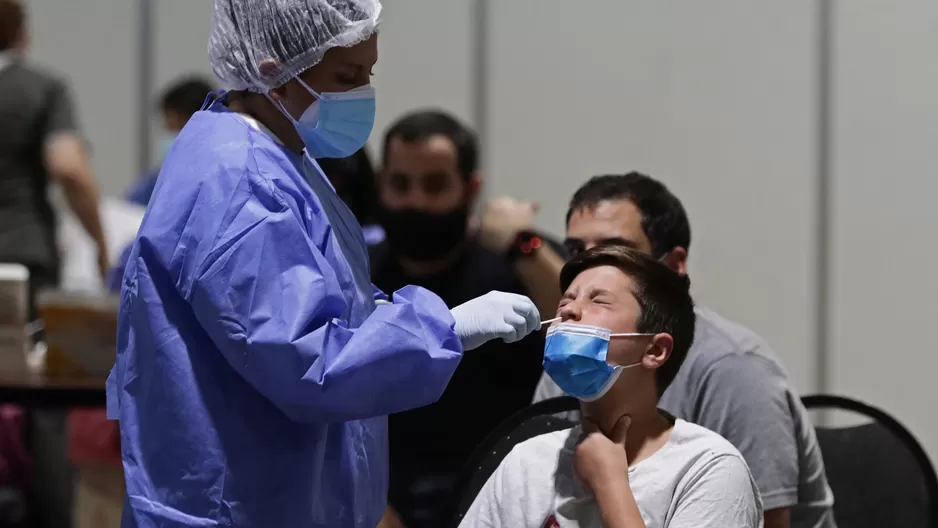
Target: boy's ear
658 351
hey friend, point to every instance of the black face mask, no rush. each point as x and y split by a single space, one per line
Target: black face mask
423 236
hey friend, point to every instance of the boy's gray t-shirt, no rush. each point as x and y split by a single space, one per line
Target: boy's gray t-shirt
696 480
731 383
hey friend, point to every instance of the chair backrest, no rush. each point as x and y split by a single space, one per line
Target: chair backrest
527 423
879 473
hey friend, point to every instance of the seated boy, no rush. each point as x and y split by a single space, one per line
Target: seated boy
627 322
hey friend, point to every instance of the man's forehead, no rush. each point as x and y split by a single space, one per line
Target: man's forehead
436 150
617 221
617 211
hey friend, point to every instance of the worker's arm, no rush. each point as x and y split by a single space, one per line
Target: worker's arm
66 161
503 220
273 305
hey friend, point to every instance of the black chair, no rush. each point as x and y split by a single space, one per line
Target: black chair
527 423
879 473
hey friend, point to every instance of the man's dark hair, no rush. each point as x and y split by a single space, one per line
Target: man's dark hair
186 96
12 23
662 294
424 124
664 220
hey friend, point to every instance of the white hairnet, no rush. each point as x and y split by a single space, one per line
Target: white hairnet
294 33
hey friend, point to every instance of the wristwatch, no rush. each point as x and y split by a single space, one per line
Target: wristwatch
525 245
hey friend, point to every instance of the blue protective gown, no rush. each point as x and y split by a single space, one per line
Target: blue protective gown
254 372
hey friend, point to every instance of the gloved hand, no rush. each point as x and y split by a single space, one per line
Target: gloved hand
495 314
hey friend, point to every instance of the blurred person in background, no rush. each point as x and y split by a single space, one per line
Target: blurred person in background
731 382
40 144
428 184
177 104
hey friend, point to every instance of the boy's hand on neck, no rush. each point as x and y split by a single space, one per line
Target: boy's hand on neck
600 460
602 464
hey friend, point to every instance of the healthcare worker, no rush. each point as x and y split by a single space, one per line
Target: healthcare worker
256 363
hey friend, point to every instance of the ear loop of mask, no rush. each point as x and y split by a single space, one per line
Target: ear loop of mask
312 92
279 106
637 363
617 370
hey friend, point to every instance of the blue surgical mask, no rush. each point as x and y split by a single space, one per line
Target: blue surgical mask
338 124
575 358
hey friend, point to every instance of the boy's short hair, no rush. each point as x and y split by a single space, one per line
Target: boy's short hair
663 296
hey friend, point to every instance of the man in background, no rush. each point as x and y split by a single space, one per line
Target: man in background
427 187
731 381
39 144
177 104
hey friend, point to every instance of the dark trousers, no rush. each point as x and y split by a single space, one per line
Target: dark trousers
46 436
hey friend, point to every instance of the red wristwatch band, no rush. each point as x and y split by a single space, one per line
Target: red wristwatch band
526 244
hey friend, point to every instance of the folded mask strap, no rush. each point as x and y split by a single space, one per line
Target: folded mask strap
616 371
279 106
579 330
312 92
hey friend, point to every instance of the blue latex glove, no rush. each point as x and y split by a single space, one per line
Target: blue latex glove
493 315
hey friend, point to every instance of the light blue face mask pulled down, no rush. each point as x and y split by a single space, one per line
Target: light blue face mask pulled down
575 358
338 124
